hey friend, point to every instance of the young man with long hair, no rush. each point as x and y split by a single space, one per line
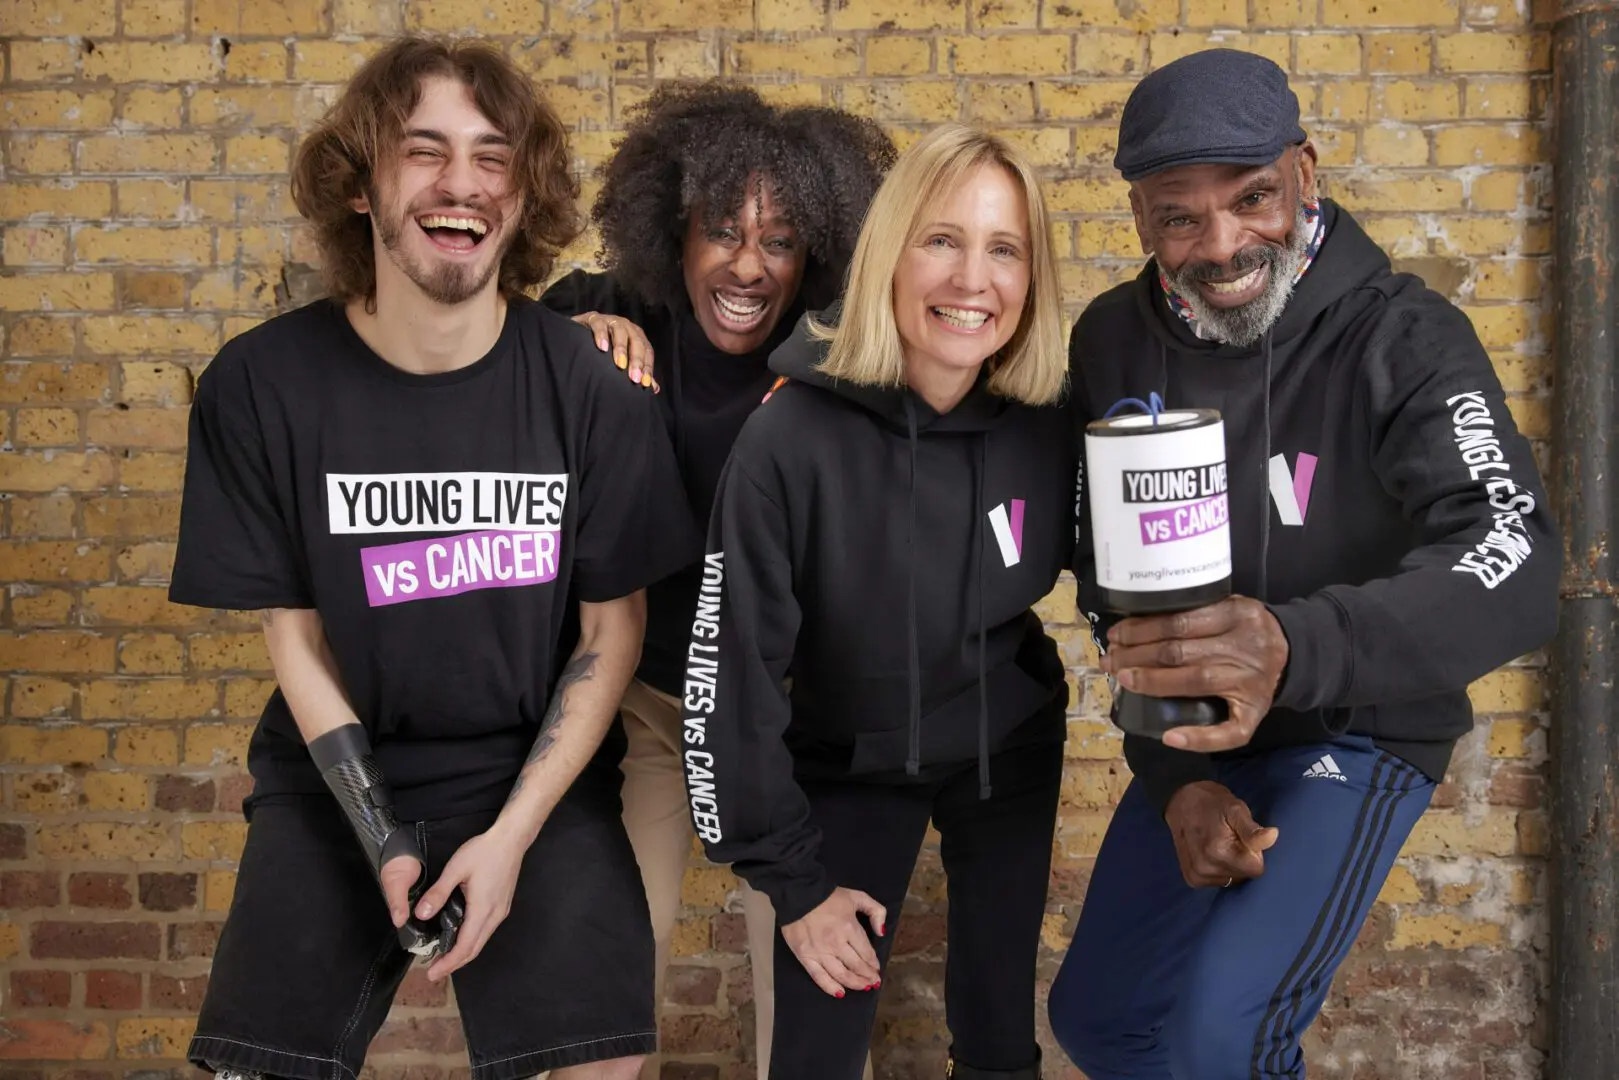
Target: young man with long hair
447 508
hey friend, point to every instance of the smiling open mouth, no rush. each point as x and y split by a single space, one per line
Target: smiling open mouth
454 233
1238 286
961 318
740 312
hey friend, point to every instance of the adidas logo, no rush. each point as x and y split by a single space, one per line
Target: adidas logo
1326 768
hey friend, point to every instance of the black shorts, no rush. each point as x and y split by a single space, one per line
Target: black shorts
308 961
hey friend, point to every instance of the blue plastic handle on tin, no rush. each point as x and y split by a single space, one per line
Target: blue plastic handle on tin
1153 405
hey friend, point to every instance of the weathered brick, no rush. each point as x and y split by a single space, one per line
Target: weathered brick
182 994
119 334
150 200
43 517
1501 99
151 654
148 699
64 650
254 19
95 941
220 888
55 470
153 18
106 840
1329 54
55 199
896 55
490 17
1448 931
151 108
148 154
1399 54
258 61
55 110
256 154
212 839
22 890
1493 145
38 61
152 61
56 292
40 155
35 246
129 516
45 793
1411 13
193 940
217 744
122 426
1493 52
1394 144
1000 103
143 744
184 794
1140 15
150 561
41 989
44 427
134 245
1084 101
168 892
54 1040
1167 48
245 698
1008 54
153 1037
119 990
36 698
116 791
13 842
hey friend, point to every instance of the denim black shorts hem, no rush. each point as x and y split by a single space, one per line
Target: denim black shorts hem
308 962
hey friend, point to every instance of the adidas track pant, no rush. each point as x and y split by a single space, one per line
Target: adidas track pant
1166 982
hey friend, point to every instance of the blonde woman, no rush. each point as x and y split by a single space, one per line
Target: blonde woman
884 526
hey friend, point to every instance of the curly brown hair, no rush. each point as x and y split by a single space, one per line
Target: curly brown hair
693 146
339 160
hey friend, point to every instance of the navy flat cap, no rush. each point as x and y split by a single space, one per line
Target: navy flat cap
1220 106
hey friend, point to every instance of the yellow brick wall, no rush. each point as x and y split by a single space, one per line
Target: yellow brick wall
146 220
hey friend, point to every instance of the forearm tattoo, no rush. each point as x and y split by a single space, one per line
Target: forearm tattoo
580 669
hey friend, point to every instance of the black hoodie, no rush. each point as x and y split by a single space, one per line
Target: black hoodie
883 558
1383 504
707 394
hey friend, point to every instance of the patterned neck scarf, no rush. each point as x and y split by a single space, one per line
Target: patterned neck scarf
1318 234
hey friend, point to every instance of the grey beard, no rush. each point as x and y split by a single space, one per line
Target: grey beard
1242 326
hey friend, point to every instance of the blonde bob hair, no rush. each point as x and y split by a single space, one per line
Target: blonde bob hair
866 349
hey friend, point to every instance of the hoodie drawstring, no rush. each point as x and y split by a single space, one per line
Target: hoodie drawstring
913 757
1264 482
980 514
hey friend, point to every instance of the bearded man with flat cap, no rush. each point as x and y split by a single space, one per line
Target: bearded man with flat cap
1390 544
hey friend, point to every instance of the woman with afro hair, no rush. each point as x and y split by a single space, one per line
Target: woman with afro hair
723 219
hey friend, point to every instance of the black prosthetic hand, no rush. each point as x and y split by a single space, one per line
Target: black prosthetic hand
344 759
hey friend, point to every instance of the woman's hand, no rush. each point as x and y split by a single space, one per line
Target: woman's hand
632 352
833 946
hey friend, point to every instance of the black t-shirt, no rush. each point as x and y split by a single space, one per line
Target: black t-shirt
707 396
440 524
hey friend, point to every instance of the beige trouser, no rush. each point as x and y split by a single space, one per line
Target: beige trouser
659 824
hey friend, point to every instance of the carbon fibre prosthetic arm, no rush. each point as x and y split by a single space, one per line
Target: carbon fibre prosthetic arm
343 756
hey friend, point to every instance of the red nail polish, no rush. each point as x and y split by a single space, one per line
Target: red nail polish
840 993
